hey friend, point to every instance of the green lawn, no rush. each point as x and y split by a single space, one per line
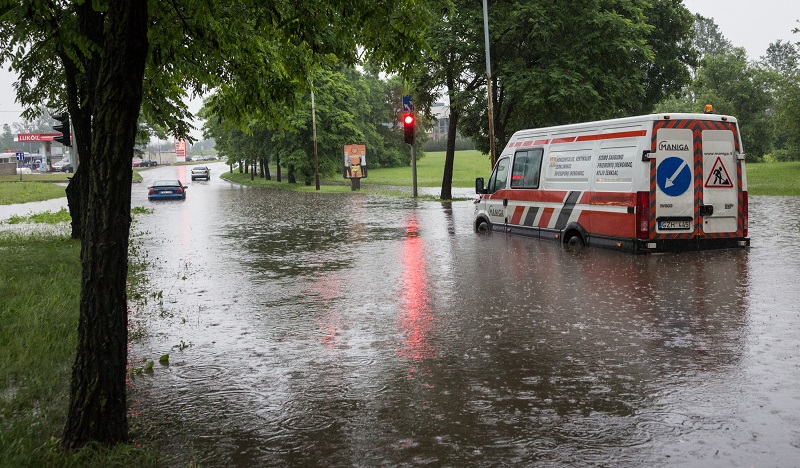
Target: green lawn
776 178
23 192
39 300
467 165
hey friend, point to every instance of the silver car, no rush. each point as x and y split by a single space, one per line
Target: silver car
201 172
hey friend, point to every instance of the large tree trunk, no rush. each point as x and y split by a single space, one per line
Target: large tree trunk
97 409
449 157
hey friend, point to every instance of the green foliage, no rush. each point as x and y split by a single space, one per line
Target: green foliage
350 107
735 87
557 63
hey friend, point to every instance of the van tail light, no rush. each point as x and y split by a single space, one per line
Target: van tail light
745 209
642 215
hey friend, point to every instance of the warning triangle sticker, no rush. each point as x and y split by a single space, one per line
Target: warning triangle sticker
719 177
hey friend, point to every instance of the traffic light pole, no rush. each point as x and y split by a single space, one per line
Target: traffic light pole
414 171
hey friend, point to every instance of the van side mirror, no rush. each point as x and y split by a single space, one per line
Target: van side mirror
479 186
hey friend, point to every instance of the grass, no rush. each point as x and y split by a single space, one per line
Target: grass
467 165
37 187
39 304
777 178
24 192
47 217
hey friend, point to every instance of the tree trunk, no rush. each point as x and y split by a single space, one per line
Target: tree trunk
290 175
97 408
253 171
266 169
278 163
74 193
449 157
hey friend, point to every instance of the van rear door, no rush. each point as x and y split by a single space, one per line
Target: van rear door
674 192
720 183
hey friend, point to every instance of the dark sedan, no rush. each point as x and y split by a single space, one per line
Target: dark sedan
170 189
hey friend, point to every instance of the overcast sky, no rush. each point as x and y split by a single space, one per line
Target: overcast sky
752 24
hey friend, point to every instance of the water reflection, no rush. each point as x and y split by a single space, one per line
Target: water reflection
416 317
360 330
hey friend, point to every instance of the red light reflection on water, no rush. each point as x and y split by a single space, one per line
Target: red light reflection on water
415 320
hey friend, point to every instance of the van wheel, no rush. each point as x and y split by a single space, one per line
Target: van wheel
576 242
483 226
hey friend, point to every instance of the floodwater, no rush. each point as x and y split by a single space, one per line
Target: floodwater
331 330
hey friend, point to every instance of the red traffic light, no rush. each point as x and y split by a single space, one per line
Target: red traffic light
408 128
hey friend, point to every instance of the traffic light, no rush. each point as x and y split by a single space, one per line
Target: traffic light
65 138
408 128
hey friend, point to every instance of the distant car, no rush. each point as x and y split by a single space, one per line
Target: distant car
152 162
67 168
167 189
57 166
201 172
136 164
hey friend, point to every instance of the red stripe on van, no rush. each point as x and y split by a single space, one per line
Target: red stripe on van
563 140
547 196
547 213
517 214
609 136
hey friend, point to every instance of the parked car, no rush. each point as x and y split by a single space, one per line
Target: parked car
167 189
201 172
67 168
136 163
152 162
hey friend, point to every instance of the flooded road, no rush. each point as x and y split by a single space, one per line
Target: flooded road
330 330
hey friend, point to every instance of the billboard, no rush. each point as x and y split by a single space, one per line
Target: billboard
354 161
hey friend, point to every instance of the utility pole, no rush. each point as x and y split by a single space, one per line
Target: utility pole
490 112
314 131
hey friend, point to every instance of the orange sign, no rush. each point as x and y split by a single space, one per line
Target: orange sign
354 161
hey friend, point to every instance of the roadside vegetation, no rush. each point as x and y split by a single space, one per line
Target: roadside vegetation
776 179
37 187
24 192
39 300
39 296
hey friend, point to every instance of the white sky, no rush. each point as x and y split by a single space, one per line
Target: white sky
752 24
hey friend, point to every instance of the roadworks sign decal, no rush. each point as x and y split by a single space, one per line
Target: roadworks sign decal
719 178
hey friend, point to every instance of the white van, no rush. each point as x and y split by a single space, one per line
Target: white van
651 183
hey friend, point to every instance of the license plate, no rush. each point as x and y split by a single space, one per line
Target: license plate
673 225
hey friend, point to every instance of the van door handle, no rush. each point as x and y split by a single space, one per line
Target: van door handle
706 210
505 202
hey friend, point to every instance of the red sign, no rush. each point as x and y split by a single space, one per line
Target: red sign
37 136
180 148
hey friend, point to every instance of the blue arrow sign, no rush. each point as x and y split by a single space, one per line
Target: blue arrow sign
407 106
674 176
